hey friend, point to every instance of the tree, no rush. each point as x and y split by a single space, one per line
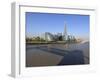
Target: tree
60 38
37 38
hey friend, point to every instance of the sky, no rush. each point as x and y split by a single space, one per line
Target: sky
77 25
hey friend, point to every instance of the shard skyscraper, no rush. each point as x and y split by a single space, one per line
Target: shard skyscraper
65 32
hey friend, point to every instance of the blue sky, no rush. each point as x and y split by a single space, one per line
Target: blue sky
77 25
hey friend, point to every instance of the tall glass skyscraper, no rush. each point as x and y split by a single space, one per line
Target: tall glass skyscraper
65 35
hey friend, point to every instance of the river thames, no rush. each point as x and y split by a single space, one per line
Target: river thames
57 54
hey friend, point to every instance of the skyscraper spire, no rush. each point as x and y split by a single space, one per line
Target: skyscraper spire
65 31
